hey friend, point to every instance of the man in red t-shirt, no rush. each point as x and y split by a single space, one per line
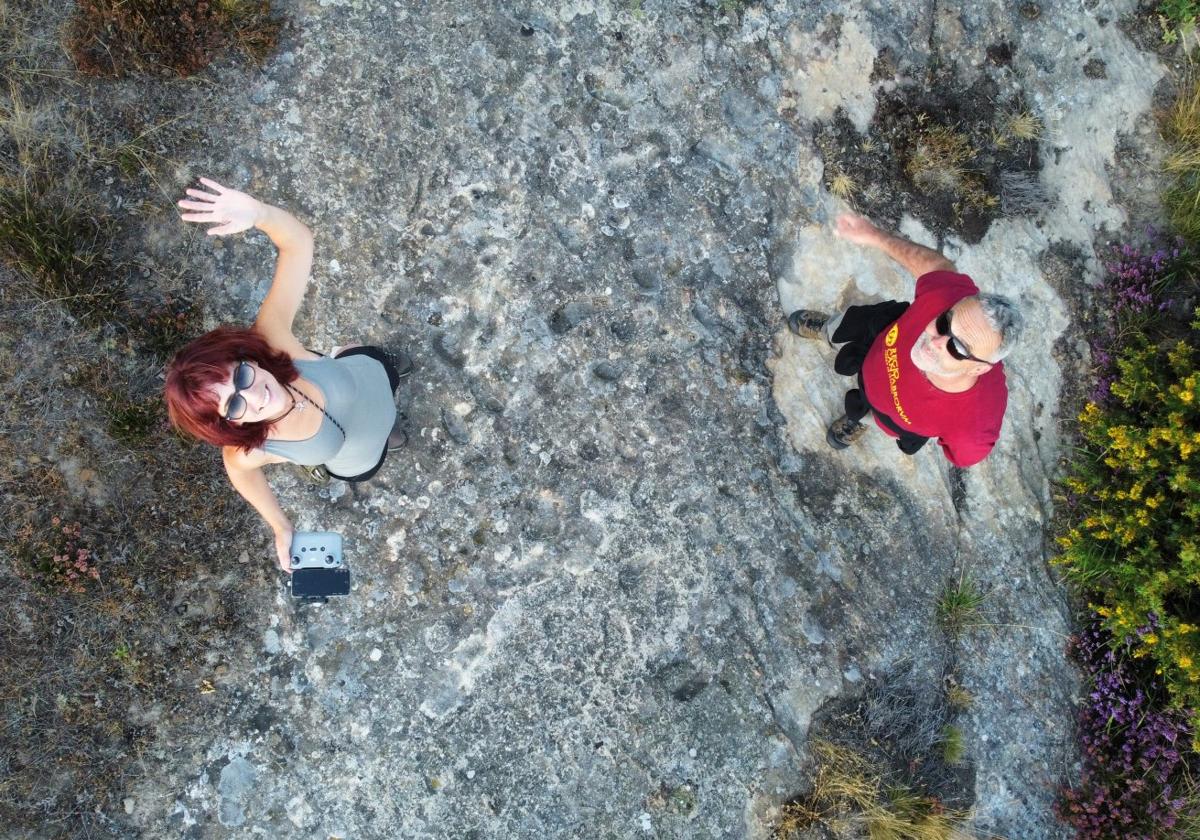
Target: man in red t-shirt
927 369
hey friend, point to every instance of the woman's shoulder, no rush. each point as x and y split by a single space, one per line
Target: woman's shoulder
284 342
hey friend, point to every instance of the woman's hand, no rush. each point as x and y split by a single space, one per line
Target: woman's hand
228 210
283 548
856 229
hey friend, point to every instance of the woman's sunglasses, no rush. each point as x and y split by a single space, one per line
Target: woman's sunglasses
243 378
954 347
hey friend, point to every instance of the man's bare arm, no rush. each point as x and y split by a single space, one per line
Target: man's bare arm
917 259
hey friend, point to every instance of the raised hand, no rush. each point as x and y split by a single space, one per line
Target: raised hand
856 229
229 211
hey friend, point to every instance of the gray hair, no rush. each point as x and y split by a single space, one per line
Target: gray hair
1003 316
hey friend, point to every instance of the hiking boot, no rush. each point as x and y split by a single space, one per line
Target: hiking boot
401 362
317 474
843 431
397 437
808 323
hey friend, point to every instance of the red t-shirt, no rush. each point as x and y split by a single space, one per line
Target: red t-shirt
966 424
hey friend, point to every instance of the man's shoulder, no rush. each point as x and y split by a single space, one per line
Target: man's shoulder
948 283
988 400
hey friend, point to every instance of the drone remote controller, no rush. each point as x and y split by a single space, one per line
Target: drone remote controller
318 569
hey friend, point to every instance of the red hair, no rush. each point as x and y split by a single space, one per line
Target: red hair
205 363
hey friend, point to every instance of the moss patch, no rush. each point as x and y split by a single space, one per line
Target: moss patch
115 37
956 159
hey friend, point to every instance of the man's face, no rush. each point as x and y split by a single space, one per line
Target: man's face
970 329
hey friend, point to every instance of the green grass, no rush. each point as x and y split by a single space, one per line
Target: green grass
59 250
165 327
134 421
953 745
959 603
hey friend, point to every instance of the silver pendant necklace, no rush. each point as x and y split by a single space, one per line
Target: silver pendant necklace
297 405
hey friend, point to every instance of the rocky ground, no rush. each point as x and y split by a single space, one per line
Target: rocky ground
618 573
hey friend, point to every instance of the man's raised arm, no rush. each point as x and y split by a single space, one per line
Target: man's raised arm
916 258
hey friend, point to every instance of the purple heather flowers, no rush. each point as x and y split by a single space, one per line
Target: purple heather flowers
1133 750
1134 285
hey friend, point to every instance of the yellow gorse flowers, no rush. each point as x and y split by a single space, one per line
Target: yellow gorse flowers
1134 537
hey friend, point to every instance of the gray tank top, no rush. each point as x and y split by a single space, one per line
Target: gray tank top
357 395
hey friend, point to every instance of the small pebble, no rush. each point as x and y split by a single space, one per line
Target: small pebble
376 654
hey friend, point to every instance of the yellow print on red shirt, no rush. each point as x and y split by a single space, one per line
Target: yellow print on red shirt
892 362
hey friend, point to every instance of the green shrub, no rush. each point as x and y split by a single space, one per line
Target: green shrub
1178 16
1135 487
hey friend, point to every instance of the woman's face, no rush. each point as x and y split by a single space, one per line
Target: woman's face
265 398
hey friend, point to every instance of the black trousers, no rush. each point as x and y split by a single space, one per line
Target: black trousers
856 333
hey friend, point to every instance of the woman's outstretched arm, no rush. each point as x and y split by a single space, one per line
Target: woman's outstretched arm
246 475
231 211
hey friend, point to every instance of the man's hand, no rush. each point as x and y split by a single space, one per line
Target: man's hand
856 229
283 548
228 210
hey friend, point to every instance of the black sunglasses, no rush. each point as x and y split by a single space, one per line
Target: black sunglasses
955 347
243 378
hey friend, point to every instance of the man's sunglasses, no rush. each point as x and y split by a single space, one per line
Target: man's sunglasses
243 378
954 347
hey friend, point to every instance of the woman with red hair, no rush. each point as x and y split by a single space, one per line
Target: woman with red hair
264 398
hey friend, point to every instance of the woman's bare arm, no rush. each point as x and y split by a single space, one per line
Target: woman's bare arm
246 475
292 269
231 211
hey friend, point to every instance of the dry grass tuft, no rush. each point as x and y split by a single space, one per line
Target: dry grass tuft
851 799
843 186
958 698
941 164
939 161
1023 126
1181 129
